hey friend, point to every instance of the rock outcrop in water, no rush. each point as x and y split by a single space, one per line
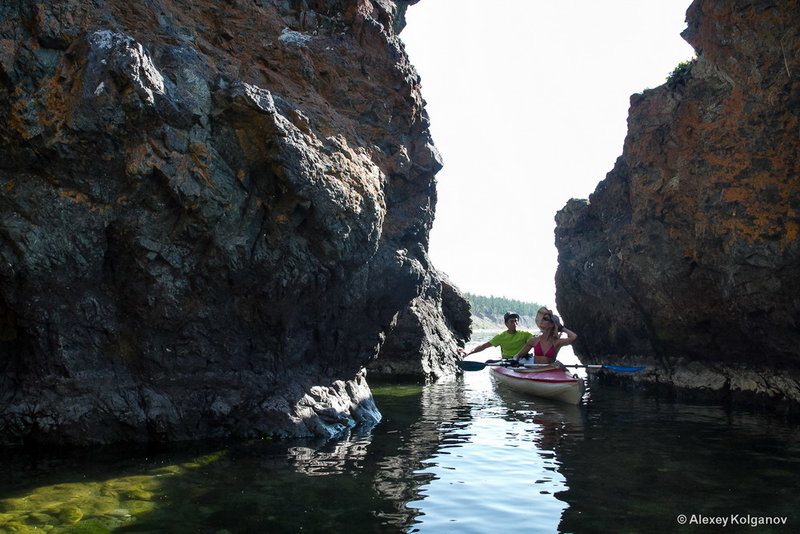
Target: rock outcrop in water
211 214
686 258
424 342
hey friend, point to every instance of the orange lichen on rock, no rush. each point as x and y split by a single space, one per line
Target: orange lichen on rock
17 121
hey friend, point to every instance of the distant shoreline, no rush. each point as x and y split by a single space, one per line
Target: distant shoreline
495 322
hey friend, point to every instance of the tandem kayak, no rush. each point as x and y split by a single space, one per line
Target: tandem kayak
549 384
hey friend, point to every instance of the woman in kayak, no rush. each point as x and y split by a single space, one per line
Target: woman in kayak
510 341
546 345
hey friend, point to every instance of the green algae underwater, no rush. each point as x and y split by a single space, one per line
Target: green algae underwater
92 506
264 485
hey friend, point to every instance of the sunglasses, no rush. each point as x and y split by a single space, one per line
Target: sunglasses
548 319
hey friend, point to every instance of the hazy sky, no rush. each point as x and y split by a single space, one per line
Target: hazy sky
528 101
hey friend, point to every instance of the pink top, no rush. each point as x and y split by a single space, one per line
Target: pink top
551 352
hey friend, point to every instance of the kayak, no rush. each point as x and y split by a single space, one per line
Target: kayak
550 384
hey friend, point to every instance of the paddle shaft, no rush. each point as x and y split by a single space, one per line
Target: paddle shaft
477 366
618 368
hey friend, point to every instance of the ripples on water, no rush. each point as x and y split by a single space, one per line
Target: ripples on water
456 456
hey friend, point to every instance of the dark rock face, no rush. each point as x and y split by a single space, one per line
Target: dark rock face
686 258
210 215
425 340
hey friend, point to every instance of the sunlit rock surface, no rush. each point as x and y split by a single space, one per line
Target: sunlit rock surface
211 214
686 258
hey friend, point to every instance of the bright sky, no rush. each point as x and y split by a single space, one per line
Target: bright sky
528 101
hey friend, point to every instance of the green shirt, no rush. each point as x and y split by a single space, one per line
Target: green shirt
510 344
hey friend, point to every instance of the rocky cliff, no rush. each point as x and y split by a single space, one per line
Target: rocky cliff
211 214
686 258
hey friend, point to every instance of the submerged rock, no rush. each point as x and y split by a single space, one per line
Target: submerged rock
210 215
686 258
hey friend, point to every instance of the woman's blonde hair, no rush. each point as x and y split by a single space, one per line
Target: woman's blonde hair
541 313
554 332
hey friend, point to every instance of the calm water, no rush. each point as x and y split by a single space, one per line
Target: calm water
460 456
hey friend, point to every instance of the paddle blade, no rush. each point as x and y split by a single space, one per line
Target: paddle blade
618 368
471 366
623 369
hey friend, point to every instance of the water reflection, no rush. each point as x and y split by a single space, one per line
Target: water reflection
329 459
497 469
643 463
441 411
361 482
552 421
465 455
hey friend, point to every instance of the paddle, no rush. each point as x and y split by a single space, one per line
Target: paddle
478 366
617 368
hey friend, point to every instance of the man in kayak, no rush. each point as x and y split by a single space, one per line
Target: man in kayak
510 342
